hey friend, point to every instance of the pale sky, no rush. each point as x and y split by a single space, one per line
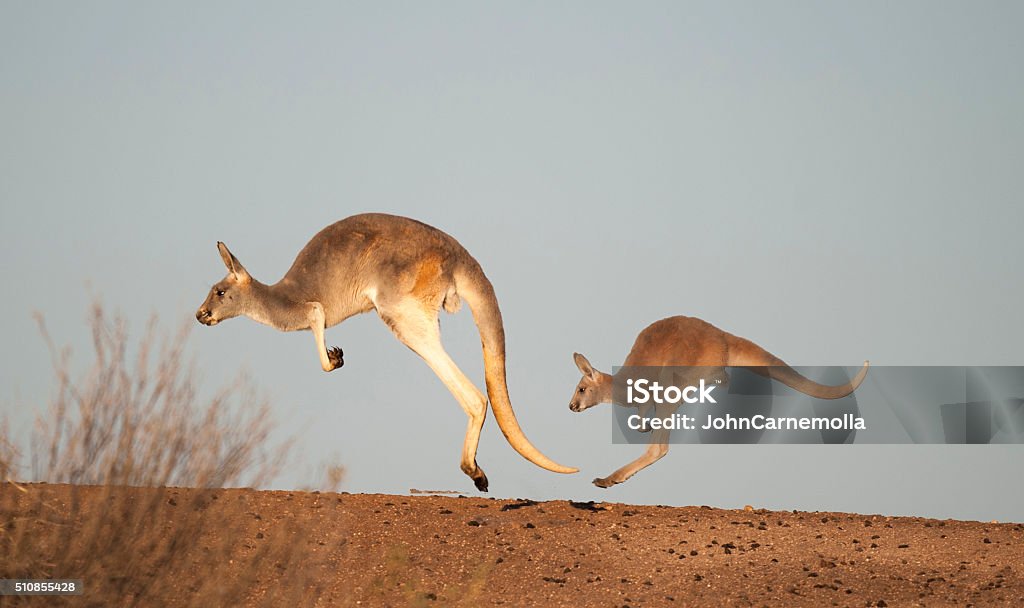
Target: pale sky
835 181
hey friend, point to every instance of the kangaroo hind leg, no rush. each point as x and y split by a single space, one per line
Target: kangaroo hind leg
657 448
417 327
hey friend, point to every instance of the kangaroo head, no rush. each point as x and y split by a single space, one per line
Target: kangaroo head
594 388
231 296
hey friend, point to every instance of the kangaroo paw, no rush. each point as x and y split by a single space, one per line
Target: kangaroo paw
604 482
336 356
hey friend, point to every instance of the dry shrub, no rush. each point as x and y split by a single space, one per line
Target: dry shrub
125 435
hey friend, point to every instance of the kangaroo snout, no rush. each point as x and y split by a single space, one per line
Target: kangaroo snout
205 317
577 406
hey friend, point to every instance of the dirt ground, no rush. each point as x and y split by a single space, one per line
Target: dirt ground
382 550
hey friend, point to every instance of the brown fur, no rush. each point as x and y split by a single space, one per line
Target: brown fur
690 342
406 271
428 280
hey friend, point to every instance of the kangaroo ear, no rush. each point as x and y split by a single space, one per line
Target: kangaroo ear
234 266
583 364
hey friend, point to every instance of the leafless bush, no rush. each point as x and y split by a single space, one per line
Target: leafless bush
124 436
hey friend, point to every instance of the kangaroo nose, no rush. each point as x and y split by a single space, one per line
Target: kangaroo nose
202 314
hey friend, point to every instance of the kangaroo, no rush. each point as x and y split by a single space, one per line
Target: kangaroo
406 271
687 341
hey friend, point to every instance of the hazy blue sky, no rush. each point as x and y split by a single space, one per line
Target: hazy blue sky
836 181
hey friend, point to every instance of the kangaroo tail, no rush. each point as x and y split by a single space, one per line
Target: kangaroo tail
478 292
746 354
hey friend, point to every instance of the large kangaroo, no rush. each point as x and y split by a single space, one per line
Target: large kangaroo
689 342
406 271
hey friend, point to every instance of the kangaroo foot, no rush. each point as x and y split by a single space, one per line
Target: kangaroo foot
477 475
481 481
336 356
604 482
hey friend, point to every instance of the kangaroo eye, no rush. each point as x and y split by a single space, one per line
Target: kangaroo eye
220 293
582 390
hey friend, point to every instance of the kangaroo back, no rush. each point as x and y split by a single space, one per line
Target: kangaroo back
744 353
478 292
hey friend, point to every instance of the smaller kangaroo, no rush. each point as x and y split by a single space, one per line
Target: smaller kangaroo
406 271
690 342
